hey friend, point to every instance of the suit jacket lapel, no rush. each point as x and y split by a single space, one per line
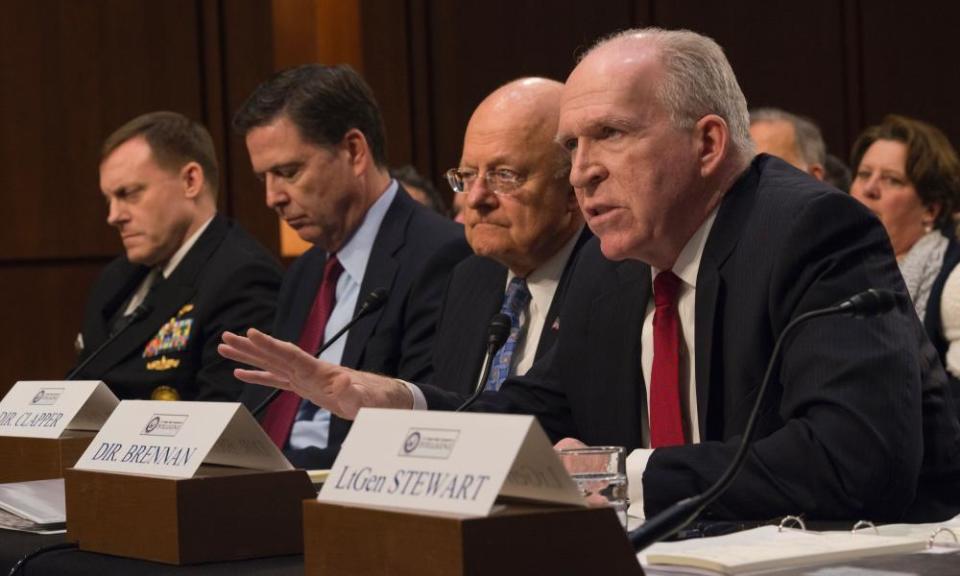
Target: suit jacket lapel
166 299
125 283
482 299
380 272
727 227
290 324
548 335
615 316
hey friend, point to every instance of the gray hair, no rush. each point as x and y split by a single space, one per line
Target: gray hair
698 81
809 140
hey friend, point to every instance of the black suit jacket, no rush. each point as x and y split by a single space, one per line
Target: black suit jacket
474 295
227 281
412 256
840 434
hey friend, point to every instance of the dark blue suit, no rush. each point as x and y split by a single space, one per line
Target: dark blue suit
413 254
473 297
227 281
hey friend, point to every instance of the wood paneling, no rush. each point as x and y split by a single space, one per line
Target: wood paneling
246 41
909 62
844 63
71 72
40 317
785 53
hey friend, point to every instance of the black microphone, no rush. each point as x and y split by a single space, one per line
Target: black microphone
373 302
872 302
867 303
497 332
138 314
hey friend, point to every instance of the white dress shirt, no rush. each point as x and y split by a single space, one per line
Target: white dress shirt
542 283
353 256
686 268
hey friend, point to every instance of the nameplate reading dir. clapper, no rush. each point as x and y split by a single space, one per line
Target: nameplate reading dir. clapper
174 438
45 409
446 462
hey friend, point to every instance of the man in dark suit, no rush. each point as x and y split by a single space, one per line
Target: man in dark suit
316 138
188 273
704 254
524 226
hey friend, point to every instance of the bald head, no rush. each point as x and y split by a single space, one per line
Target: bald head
511 135
521 105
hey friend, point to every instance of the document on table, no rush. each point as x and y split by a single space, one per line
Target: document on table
38 506
767 548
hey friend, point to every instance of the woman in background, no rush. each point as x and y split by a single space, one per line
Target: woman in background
908 174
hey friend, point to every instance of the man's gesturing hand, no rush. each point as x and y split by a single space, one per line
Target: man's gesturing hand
342 391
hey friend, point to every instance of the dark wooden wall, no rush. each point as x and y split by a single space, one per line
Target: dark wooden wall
70 73
844 63
73 70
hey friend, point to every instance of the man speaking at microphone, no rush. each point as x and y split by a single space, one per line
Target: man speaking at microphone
705 253
316 138
154 316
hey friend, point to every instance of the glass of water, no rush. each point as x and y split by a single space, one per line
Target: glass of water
601 475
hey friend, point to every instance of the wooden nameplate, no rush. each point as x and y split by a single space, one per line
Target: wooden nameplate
519 539
26 459
220 514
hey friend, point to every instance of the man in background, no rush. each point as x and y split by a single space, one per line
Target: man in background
187 274
790 137
419 188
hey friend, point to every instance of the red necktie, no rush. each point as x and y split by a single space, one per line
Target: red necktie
279 418
666 421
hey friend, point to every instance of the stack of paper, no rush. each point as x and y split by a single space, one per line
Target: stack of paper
38 506
768 548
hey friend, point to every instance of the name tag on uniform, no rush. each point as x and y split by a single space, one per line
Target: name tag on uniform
45 409
446 462
174 438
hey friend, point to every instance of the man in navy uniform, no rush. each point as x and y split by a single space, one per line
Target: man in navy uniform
187 274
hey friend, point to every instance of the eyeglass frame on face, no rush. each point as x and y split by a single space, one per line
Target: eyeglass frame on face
501 181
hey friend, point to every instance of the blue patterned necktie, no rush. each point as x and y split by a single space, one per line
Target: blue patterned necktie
514 303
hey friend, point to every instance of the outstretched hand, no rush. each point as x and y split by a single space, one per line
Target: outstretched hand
279 364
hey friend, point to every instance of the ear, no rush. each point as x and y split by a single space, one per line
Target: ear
817 171
355 145
933 212
712 140
572 203
191 175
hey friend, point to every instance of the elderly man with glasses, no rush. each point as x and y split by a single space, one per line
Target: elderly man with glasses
524 225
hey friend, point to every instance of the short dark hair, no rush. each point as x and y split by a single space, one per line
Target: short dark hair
409 176
174 140
323 102
932 163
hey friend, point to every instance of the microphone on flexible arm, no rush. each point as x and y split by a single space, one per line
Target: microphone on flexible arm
138 314
872 302
497 332
373 302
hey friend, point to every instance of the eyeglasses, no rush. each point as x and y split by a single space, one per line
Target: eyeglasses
500 181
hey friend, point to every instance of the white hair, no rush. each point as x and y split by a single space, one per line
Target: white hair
698 80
